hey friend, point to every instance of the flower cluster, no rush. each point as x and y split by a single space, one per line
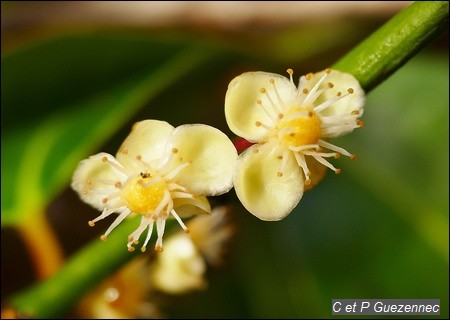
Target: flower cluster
161 171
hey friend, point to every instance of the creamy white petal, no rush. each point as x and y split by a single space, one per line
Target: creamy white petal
242 110
94 179
337 82
188 207
147 139
258 186
210 157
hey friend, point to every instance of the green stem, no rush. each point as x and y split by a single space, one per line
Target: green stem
54 297
387 49
371 62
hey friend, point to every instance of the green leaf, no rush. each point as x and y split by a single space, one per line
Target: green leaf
48 126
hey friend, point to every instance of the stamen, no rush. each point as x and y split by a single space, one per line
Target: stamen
136 234
300 158
326 163
314 89
179 221
265 126
177 170
118 220
297 115
291 73
320 154
160 225
149 235
303 147
276 108
259 102
338 119
338 129
105 213
164 201
332 147
280 101
114 165
350 90
329 102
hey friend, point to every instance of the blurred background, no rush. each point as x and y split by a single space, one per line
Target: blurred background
76 76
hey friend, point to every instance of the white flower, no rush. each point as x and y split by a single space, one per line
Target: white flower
289 126
159 171
183 265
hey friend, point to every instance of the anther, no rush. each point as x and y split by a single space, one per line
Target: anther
310 114
337 171
328 70
280 116
280 157
280 174
360 123
307 182
330 85
91 223
350 90
337 155
355 112
139 157
305 91
143 249
103 237
309 76
118 184
258 101
90 182
130 249
159 249
272 81
258 123
290 71
339 93
104 159
174 150
85 191
263 90
353 157
104 200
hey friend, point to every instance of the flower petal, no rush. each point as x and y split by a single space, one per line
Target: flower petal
186 207
262 192
335 82
211 157
91 177
147 139
242 110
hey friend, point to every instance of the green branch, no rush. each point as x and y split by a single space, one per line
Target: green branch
371 62
57 295
391 46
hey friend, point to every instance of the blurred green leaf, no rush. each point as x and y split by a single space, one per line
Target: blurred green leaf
64 98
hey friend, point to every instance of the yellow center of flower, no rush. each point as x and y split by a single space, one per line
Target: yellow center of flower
143 195
299 126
